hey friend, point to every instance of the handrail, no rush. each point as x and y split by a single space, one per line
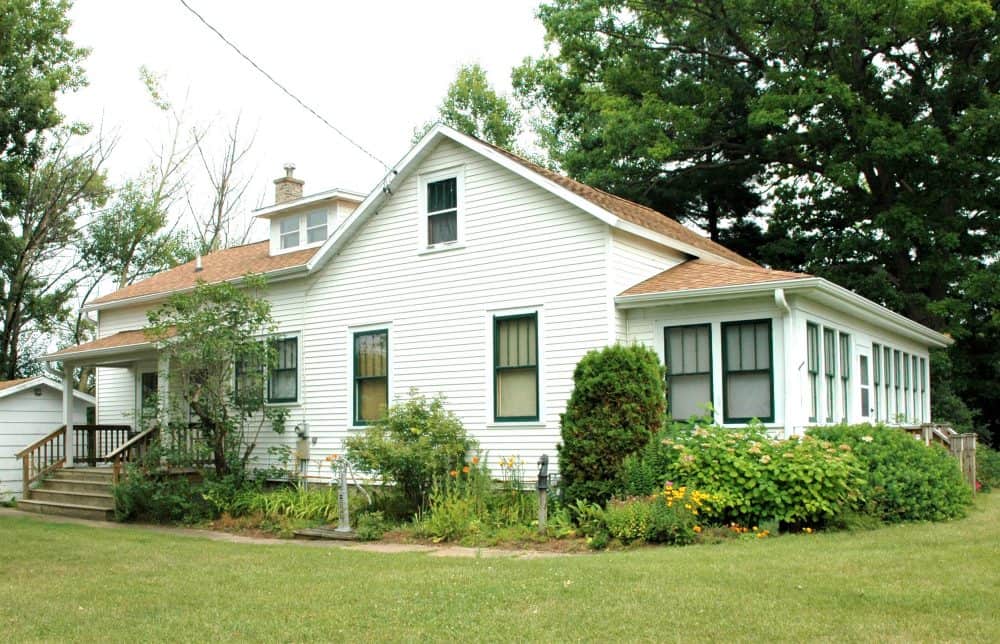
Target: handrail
44 439
123 453
41 457
132 442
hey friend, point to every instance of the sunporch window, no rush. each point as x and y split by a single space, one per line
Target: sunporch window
812 340
688 353
845 374
830 370
877 380
747 371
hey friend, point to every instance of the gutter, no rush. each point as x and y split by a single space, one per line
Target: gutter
74 356
864 308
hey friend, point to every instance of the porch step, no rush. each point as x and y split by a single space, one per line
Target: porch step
94 474
80 498
94 513
76 485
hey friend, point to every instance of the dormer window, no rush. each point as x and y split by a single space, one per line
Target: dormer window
441 209
289 231
316 227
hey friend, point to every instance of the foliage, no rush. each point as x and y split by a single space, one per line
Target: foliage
416 443
987 468
860 135
670 516
618 403
468 504
473 107
750 477
206 333
904 479
160 497
370 526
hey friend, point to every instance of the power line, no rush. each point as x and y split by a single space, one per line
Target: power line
283 88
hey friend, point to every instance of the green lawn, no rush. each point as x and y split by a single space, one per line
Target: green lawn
916 582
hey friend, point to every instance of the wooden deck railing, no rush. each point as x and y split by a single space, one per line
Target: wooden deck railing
961 446
95 442
41 457
131 451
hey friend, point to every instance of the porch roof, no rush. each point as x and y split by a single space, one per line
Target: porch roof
119 343
697 273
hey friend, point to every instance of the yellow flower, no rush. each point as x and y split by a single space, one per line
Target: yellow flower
697 529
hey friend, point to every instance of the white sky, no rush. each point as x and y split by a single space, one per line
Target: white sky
373 69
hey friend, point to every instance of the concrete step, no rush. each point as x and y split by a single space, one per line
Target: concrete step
76 485
99 500
66 510
97 474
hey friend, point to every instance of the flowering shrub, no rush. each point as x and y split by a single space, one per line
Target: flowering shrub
904 479
750 477
670 516
417 442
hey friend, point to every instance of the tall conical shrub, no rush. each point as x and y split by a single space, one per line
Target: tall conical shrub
618 403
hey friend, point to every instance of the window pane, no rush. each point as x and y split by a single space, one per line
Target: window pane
371 354
748 347
675 351
283 385
290 240
704 349
812 347
829 352
864 403
748 395
517 393
732 340
517 342
688 350
442 228
863 369
762 348
289 224
316 218
316 234
845 355
372 398
287 353
442 195
689 395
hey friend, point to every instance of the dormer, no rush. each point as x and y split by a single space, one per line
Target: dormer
297 221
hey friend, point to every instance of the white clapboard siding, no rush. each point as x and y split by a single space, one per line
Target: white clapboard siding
25 418
523 249
116 399
633 260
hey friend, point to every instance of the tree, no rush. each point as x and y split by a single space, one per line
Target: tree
863 136
208 334
37 62
473 107
618 404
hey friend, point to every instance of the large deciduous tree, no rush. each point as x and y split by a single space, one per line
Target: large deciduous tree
473 107
854 140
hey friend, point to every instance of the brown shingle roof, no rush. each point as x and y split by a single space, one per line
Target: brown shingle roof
698 273
631 211
120 339
7 384
216 267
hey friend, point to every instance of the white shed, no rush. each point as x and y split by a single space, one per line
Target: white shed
30 409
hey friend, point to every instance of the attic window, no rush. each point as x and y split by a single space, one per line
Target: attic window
316 227
289 230
441 209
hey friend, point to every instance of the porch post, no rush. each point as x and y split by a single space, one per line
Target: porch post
163 391
68 413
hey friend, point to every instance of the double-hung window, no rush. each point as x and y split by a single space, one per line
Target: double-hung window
812 349
688 353
288 229
316 227
283 380
897 379
887 382
830 370
442 211
877 380
371 375
515 367
923 390
845 373
863 384
906 388
746 371
914 388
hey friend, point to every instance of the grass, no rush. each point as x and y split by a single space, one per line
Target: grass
904 583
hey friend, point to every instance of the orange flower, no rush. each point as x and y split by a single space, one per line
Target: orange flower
465 470
475 460
453 473
697 528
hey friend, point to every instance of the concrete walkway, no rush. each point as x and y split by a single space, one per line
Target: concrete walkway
213 535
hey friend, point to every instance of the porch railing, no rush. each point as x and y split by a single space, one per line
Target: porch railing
95 442
131 450
41 457
182 443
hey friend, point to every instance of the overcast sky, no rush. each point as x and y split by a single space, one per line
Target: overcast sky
373 69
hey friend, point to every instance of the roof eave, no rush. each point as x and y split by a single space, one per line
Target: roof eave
104 352
309 200
865 308
272 276
49 382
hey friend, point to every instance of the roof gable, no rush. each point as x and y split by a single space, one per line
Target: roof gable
11 387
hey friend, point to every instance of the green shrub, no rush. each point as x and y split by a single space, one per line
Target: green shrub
370 526
751 477
160 497
670 517
618 403
987 468
414 444
904 479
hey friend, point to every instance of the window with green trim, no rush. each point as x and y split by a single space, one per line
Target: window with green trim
863 387
887 382
515 367
830 370
371 375
923 389
897 379
906 388
845 374
747 376
812 351
877 379
688 356
283 380
914 388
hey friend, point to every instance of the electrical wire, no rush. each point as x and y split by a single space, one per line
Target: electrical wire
283 88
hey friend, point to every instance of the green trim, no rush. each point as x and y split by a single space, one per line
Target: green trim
666 360
877 378
726 418
845 372
271 372
497 319
812 368
355 418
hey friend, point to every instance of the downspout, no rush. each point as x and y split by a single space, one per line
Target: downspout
787 333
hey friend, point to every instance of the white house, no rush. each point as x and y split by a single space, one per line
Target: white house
473 273
30 408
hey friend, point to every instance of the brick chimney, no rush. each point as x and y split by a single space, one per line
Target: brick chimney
287 188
